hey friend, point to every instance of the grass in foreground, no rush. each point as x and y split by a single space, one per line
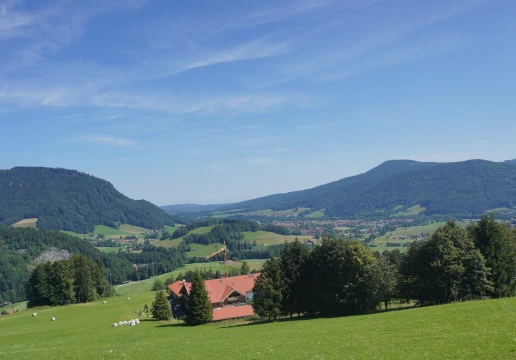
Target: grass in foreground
472 330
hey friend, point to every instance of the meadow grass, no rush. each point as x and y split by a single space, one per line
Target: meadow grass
470 330
109 250
133 229
168 243
269 238
412 230
197 250
414 210
316 214
110 232
26 223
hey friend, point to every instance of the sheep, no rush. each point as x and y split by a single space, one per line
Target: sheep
34 315
114 325
52 319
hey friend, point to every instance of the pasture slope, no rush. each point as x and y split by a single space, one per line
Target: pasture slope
470 330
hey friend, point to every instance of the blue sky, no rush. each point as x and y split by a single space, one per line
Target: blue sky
220 101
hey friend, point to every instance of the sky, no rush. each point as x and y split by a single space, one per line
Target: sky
221 101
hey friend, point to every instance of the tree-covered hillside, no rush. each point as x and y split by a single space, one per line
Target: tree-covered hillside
70 200
320 196
19 247
458 189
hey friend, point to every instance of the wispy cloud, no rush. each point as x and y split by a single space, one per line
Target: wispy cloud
106 140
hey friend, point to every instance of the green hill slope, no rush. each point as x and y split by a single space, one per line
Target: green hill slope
70 200
398 187
471 330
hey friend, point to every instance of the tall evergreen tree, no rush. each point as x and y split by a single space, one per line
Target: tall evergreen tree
292 259
245 269
198 307
37 287
498 245
161 307
60 284
268 290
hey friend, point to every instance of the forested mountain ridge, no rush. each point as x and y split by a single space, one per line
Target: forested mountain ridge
70 200
189 208
318 197
458 189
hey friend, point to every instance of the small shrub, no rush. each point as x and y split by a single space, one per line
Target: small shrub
3 313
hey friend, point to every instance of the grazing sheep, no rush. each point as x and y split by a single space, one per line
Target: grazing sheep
114 325
52 319
34 315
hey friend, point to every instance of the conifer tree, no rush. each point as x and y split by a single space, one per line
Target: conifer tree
245 269
497 243
161 308
199 309
268 290
292 259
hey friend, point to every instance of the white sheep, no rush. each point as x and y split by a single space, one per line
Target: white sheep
52 319
114 325
34 315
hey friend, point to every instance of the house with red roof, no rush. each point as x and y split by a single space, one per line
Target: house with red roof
228 296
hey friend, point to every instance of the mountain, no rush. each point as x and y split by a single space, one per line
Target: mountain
321 196
510 162
461 188
189 208
70 200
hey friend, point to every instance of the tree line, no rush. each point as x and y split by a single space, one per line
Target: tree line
342 277
64 282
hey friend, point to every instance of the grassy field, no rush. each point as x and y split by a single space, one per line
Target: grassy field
202 250
413 230
471 330
414 210
316 214
145 286
109 250
26 223
110 232
169 243
134 230
269 238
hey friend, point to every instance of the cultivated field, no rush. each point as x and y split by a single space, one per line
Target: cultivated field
26 223
269 238
472 330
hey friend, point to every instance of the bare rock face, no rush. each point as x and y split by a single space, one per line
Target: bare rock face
52 255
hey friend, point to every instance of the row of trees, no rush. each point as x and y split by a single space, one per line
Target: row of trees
342 277
77 280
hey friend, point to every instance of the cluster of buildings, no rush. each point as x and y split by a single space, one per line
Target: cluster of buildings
228 296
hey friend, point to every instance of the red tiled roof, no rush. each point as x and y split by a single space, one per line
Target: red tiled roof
232 312
220 289
217 287
177 286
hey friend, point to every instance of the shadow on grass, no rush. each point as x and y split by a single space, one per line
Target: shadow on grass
308 318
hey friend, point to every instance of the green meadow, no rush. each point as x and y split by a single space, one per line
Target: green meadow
269 238
471 330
